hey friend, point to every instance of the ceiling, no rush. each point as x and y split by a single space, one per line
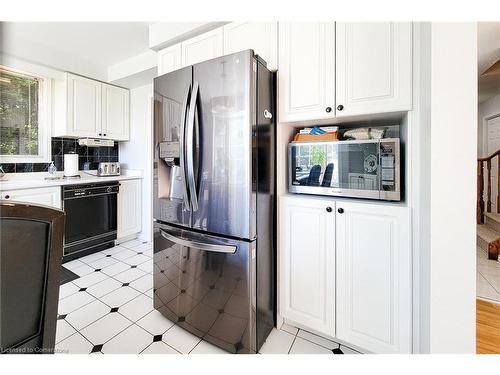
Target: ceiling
59 44
488 52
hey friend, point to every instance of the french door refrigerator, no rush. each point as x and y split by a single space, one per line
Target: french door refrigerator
214 200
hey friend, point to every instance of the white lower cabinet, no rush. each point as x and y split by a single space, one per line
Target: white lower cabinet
345 271
129 209
48 196
374 277
307 263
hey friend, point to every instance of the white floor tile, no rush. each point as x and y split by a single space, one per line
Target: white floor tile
155 323
103 263
115 269
124 254
180 339
288 328
129 275
105 328
92 257
146 266
137 259
137 308
67 289
159 347
278 342
150 293
329 344
114 250
87 314
347 350
72 265
119 296
90 279
132 340
143 284
74 302
104 287
75 344
142 248
484 289
131 243
206 348
301 346
83 270
63 330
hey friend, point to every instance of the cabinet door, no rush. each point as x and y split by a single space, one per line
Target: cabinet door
129 208
373 67
169 59
50 196
374 277
307 264
203 47
262 37
84 106
115 113
306 76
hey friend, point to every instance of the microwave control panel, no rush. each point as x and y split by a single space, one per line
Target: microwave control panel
388 165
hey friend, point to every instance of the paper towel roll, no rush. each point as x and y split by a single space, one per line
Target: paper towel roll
70 165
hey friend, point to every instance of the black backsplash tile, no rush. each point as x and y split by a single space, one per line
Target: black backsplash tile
61 146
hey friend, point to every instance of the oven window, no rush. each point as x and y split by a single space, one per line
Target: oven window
90 216
336 165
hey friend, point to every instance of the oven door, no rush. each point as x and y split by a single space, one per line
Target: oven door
346 168
89 219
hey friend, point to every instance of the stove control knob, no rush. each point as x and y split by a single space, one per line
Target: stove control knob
109 189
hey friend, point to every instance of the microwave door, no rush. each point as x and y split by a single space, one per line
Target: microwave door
172 93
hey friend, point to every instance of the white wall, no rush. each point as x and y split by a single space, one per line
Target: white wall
137 153
453 148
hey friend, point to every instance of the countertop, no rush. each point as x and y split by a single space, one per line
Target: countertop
13 181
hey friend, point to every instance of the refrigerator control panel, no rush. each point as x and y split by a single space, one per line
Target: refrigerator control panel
169 150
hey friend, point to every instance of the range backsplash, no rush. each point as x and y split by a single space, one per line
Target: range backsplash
61 146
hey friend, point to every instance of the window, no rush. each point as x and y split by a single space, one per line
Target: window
24 108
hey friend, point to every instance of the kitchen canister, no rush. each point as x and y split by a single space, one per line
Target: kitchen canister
70 165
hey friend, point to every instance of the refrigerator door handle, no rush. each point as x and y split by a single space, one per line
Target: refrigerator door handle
227 249
182 147
189 148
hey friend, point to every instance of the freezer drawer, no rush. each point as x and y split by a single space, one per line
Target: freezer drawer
206 285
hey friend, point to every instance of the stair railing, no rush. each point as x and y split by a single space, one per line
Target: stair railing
480 186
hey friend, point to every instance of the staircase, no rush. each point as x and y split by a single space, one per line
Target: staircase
488 235
488 223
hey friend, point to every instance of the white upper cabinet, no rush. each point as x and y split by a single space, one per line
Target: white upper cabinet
169 59
373 61
262 37
88 108
115 113
203 47
307 263
374 277
306 76
84 106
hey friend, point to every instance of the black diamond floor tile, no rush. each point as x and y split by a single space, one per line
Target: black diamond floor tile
114 309
157 338
337 351
96 348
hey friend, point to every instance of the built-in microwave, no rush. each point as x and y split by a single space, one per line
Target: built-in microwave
357 168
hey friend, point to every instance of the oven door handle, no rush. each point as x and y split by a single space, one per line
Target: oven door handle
227 249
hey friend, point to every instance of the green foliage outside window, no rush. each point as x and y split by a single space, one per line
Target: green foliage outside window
19 104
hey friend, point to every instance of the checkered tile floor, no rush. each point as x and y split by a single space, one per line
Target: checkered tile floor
109 309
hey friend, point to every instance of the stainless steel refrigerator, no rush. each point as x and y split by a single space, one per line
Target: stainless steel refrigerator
214 200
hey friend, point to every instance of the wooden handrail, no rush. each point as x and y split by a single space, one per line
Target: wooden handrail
480 186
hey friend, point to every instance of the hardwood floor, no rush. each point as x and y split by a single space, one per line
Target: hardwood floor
487 327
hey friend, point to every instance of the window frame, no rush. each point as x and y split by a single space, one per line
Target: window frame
44 121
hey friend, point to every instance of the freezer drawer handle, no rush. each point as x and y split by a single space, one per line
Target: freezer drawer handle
228 249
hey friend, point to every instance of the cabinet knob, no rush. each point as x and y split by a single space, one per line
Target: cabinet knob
104 134
328 109
7 196
340 107
328 209
340 210
100 134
